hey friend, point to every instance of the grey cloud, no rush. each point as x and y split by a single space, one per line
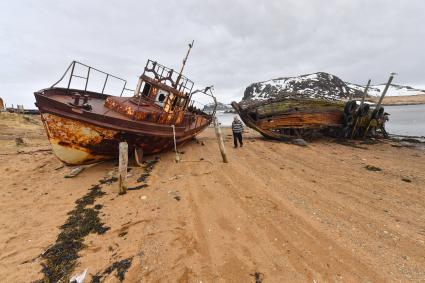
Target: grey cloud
236 42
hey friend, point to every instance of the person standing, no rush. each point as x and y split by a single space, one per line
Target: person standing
237 129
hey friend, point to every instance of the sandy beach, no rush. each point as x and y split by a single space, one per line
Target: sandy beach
328 212
400 100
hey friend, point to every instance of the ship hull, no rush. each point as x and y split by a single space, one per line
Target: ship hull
75 142
81 136
291 118
86 126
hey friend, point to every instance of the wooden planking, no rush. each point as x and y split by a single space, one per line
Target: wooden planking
291 105
302 120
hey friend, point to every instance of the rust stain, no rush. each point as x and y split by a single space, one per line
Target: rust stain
75 142
76 132
92 127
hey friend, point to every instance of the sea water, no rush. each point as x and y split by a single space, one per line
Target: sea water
226 119
407 120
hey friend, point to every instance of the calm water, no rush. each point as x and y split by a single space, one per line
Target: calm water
226 119
407 120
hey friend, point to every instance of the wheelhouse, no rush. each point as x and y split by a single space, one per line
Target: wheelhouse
164 87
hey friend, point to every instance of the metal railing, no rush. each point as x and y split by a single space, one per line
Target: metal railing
87 77
208 92
159 72
167 76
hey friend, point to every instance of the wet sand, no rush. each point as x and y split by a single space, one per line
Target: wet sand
289 213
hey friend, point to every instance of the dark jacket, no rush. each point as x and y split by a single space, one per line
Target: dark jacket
237 126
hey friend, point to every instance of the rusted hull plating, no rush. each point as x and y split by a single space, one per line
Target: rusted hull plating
86 126
75 142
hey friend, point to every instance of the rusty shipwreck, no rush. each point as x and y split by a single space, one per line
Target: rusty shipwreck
86 126
294 115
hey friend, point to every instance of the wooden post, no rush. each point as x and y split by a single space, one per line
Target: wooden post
365 93
387 86
177 158
122 168
138 156
220 140
385 90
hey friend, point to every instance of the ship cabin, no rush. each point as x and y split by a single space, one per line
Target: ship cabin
162 96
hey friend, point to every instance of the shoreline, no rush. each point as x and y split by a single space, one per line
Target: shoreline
404 104
400 100
399 104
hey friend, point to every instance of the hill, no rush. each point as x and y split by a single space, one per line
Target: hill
324 86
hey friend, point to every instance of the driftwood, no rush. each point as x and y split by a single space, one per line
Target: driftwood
77 170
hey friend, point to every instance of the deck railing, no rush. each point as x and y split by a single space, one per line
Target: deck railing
153 69
107 77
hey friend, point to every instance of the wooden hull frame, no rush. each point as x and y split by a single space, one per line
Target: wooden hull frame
297 117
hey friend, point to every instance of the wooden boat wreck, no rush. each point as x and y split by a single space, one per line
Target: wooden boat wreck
289 116
293 115
86 127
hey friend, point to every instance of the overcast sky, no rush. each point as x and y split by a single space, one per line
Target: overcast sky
236 42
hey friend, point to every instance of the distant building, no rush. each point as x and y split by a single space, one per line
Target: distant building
1 104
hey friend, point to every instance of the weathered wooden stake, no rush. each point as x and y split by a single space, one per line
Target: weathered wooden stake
385 90
365 93
138 156
220 140
122 168
177 158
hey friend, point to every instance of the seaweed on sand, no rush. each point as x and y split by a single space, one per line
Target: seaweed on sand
148 169
120 266
373 168
135 188
258 277
108 181
349 143
60 259
149 166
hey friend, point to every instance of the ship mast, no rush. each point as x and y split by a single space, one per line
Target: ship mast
184 63
385 90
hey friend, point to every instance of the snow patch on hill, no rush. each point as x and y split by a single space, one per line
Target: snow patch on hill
220 107
318 85
321 86
393 90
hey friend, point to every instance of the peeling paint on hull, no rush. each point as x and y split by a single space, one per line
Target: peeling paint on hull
75 142
75 155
